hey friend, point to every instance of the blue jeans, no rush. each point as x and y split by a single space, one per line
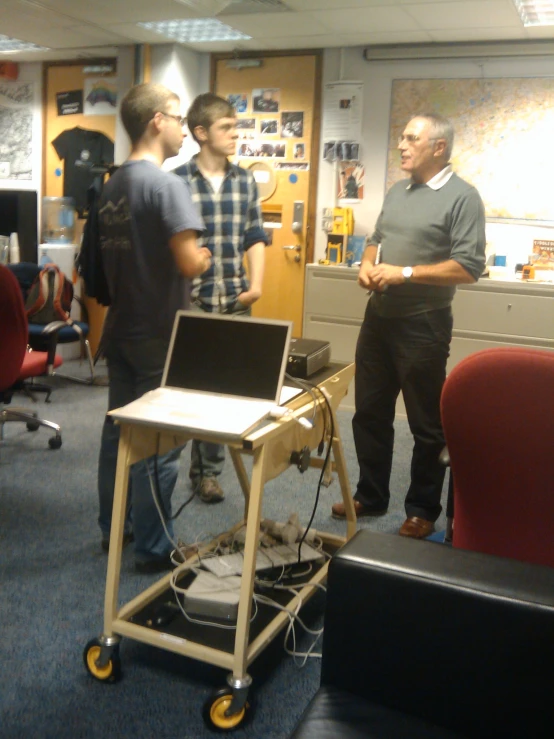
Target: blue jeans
207 459
134 368
395 354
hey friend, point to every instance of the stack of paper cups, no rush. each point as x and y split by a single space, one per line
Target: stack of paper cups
14 248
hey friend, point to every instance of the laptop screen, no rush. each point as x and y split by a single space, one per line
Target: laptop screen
244 357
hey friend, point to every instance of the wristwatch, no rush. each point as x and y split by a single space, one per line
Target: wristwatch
407 273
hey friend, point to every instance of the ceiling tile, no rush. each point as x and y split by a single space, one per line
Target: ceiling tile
389 37
466 14
539 32
265 25
478 34
317 41
371 19
335 4
122 11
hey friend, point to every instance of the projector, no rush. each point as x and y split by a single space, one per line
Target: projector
307 356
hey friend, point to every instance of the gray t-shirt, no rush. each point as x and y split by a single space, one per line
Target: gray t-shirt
419 225
141 208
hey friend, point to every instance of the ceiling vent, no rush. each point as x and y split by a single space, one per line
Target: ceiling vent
208 8
238 7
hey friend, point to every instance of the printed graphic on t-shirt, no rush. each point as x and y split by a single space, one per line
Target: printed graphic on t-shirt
115 225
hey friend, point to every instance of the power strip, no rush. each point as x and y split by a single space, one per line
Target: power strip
228 565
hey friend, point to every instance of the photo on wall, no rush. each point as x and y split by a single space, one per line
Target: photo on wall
262 149
269 126
350 185
246 124
292 125
299 151
266 100
239 101
100 95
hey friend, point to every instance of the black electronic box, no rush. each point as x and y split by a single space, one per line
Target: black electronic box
307 356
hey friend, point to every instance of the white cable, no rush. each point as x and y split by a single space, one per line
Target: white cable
160 513
293 616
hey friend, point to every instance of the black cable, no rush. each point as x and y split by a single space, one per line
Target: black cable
312 387
157 493
324 467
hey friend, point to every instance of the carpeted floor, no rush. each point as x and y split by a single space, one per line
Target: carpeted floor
52 579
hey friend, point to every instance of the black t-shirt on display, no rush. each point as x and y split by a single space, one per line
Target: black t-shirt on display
82 150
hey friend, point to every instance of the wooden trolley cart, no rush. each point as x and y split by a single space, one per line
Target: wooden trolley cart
270 445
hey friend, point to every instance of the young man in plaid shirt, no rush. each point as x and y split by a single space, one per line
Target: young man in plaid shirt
227 197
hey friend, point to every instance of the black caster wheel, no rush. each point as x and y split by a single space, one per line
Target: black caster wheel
55 442
32 426
108 674
214 709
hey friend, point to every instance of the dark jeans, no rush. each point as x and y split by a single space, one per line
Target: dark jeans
207 458
134 368
407 354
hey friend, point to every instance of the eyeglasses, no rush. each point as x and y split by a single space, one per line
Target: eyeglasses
412 138
181 120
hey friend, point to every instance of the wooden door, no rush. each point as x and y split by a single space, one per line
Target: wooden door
285 123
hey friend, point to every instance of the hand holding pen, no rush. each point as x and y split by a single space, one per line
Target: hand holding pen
365 275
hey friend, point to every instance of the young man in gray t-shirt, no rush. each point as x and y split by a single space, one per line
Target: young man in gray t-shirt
148 235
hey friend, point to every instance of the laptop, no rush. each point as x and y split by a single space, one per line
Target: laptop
222 374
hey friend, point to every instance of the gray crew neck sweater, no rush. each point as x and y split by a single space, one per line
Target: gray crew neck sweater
419 225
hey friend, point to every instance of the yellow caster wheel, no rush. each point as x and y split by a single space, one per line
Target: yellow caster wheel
215 708
111 672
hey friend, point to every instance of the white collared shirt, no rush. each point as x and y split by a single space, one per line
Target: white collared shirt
439 180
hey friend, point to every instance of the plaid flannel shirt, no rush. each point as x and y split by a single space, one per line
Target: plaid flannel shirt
233 222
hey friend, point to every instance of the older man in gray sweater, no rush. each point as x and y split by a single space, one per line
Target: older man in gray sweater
429 237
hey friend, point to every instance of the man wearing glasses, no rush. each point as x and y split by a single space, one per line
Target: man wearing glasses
148 235
429 237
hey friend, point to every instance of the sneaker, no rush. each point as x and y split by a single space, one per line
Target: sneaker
127 539
210 490
151 566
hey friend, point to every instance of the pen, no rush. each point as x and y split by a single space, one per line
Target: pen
377 260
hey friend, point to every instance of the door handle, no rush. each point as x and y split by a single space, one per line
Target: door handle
296 247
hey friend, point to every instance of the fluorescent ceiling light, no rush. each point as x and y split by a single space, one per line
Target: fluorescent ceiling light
197 30
536 12
8 45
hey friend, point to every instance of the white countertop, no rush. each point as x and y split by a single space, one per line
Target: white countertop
527 287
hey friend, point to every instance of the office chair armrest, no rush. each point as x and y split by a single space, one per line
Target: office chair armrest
53 327
50 333
450 636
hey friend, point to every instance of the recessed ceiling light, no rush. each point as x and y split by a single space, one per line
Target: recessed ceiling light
8 45
536 12
197 30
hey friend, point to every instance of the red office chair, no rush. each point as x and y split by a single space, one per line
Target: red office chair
16 363
498 416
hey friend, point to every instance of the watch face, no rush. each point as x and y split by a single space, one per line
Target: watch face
407 273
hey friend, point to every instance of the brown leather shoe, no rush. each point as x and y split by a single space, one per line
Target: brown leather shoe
338 510
417 528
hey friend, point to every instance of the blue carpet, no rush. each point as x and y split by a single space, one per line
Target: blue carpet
52 575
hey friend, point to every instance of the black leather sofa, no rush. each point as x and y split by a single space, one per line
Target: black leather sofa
422 640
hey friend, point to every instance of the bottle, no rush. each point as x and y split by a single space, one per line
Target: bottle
14 248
